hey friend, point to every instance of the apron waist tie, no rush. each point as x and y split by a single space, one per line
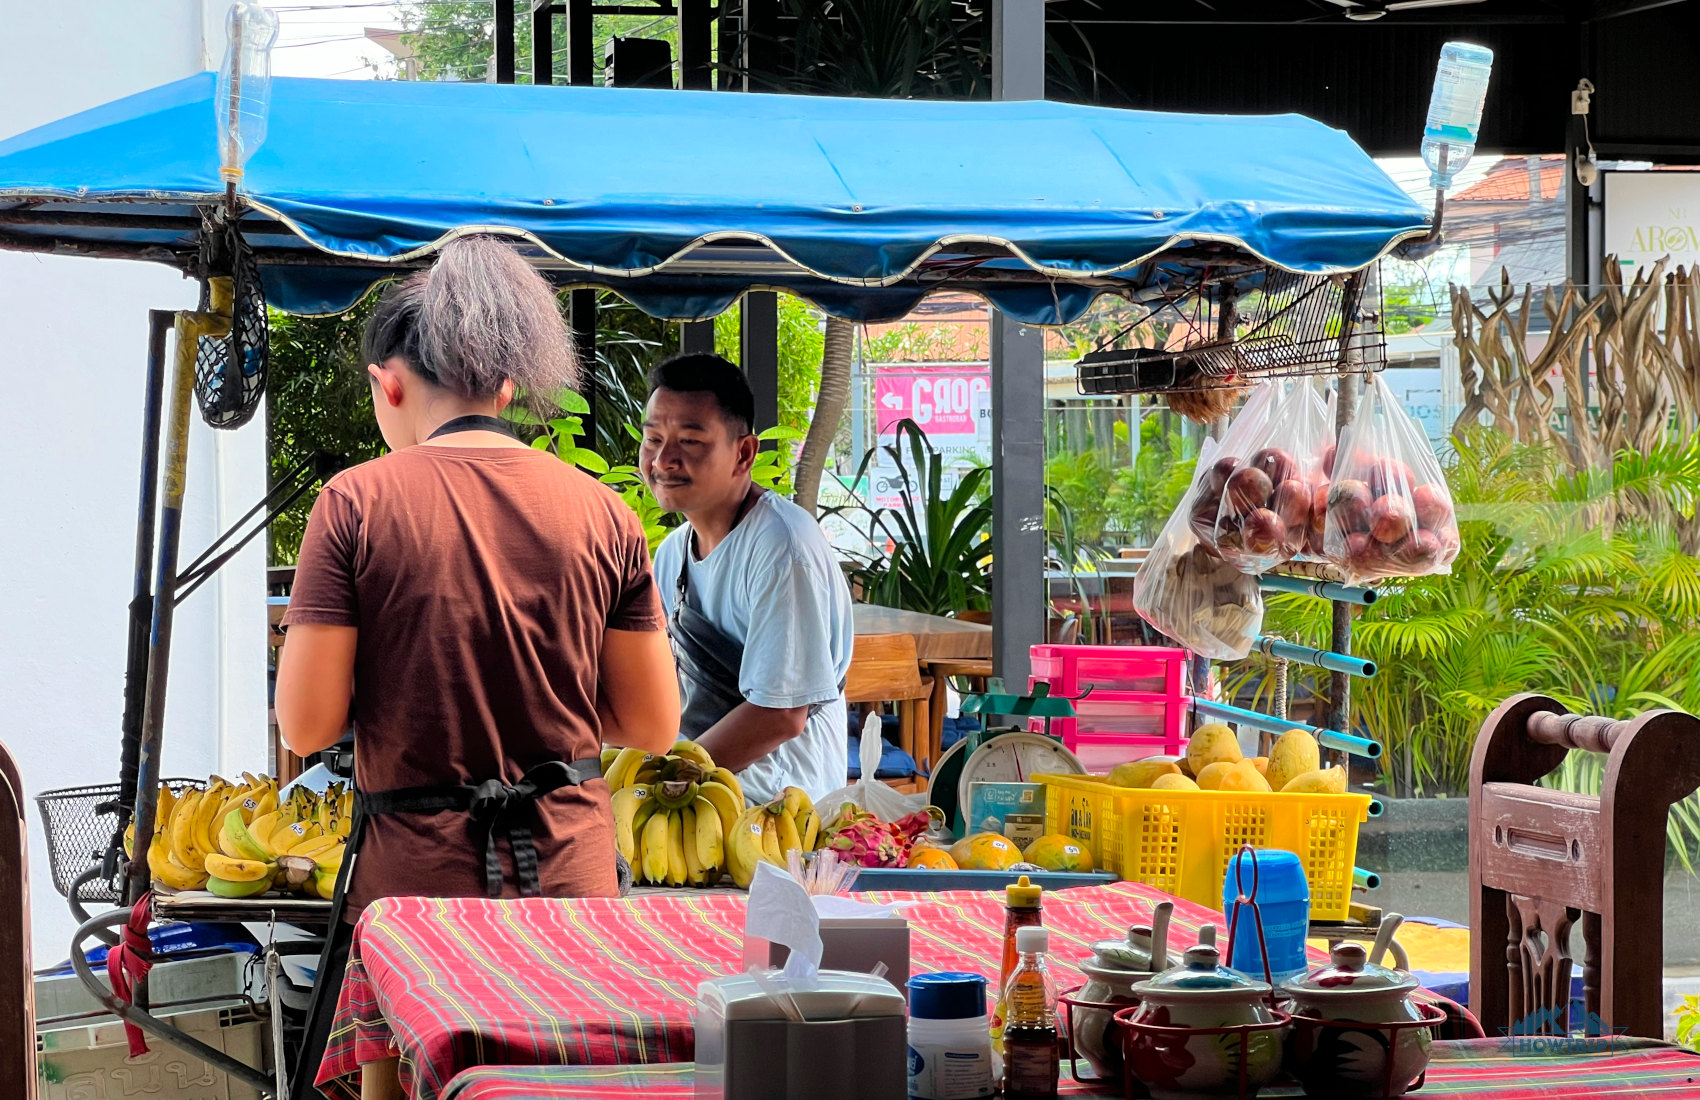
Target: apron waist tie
493 806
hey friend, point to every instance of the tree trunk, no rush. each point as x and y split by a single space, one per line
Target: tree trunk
834 395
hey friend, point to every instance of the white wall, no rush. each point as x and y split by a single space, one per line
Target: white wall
73 339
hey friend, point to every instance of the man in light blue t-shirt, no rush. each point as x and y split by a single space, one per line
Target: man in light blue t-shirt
758 609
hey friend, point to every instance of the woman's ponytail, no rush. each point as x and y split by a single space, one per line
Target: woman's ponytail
481 316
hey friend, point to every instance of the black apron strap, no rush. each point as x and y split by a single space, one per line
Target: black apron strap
495 808
708 660
475 422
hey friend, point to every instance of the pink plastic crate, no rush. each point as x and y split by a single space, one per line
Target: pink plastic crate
1137 707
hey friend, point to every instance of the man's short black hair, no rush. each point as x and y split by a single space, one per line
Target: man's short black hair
706 372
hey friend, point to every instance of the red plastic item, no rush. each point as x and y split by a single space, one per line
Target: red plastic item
1137 706
129 963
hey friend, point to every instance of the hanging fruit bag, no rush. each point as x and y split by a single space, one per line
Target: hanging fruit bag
1254 506
1191 594
1390 513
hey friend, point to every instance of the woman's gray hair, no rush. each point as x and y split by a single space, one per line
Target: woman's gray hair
481 316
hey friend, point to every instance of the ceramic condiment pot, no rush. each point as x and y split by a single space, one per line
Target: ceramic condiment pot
1116 966
1335 1060
1201 993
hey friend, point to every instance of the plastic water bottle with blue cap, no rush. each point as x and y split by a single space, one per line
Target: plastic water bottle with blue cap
1455 110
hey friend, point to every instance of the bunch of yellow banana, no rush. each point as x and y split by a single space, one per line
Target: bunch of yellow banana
767 832
240 840
672 813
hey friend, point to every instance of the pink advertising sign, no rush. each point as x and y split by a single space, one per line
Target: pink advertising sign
942 400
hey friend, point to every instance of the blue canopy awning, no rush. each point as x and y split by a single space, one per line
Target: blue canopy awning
681 201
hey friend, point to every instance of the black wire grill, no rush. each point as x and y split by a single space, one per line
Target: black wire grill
1214 334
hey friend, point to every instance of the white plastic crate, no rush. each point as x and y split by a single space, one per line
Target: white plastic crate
84 1063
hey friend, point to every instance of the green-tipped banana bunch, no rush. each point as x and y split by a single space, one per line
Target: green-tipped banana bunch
675 815
240 840
767 832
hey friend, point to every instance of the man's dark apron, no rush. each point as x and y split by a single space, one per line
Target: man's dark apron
708 660
493 808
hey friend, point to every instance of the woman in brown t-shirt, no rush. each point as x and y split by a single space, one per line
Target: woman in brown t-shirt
479 608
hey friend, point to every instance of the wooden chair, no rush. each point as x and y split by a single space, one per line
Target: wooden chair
885 668
17 982
1540 859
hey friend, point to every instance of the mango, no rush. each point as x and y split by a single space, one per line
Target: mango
1142 773
1261 763
1320 781
1244 777
1210 778
1294 754
1059 853
1174 782
1210 744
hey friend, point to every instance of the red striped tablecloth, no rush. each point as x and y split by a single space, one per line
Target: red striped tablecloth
459 982
1473 1068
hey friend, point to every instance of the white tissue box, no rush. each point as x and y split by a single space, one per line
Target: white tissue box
851 1045
855 944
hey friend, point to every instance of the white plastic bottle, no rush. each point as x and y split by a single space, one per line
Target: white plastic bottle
1455 110
950 1038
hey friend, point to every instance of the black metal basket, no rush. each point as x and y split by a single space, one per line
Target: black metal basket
1230 329
79 823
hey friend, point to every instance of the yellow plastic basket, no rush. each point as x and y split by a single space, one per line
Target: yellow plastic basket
1181 841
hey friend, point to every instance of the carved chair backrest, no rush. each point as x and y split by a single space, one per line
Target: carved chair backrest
1540 860
17 982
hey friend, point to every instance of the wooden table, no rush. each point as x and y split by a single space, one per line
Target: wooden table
935 635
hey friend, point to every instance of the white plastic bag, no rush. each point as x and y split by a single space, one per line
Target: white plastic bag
1192 595
868 792
1253 506
1390 513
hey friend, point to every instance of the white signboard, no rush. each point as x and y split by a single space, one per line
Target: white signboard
1650 215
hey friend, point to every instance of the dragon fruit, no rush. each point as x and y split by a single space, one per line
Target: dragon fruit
863 839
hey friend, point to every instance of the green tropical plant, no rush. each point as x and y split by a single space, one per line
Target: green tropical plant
1540 598
941 543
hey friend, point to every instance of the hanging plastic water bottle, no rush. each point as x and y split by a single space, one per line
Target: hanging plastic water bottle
1455 110
242 96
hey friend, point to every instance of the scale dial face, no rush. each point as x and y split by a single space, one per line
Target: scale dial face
1016 758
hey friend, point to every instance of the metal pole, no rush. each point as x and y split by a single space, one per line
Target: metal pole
542 42
759 354
696 43
190 326
581 50
1018 399
1345 411
141 601
1018 497
696 337
504 43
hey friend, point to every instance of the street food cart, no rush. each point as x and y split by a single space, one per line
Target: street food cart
680 202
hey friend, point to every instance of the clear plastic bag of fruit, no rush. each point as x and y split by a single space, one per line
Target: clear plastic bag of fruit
1191 594
1254 505
1390 513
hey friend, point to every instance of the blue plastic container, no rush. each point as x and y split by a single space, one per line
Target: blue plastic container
1283 897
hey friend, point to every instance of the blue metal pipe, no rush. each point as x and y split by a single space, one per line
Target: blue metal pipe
1327 590
1369 880
1331 739
1320 658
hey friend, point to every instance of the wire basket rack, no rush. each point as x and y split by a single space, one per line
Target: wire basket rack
79 823
1228 330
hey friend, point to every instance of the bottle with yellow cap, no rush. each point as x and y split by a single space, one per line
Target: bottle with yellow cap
1023 908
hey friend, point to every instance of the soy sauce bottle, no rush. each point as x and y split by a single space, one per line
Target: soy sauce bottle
1030 1023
